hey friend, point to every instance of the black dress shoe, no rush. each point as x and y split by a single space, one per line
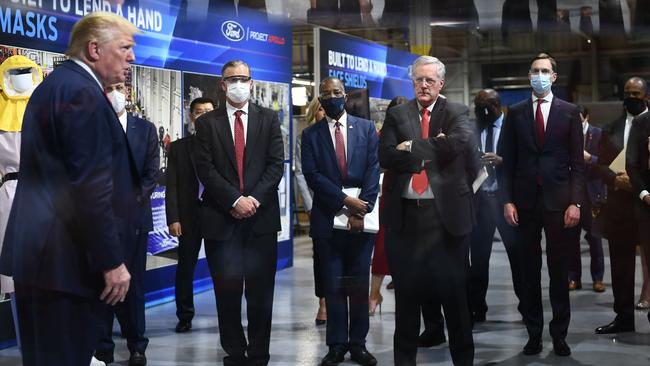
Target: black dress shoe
431 339
615 327
104 356
137 359
335 356
183 326
561 348
534 346
360 355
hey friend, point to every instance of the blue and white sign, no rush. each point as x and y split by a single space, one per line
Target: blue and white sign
175 35
362 64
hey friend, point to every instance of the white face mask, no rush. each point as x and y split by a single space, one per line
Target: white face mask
22 83
238 92
118 101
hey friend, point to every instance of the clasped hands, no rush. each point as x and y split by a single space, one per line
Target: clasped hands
358 209
245 208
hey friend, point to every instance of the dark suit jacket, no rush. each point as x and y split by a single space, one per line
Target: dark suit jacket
143 141
559 163
77 190
637 163
618 207
447 168
323 175
596 189
216 166
182 191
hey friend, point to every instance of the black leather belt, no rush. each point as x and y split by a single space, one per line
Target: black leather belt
420 203
7 177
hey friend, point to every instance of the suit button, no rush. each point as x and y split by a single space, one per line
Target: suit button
138 198
137 231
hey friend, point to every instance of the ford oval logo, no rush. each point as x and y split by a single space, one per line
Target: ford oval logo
232 30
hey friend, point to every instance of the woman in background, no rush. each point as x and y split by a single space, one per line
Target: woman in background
314 114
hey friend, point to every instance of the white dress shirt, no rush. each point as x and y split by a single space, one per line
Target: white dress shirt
123 120
546 107
230 110
409 193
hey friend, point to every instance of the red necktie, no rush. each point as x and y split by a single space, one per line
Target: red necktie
420 181
539 121
240 145
340 151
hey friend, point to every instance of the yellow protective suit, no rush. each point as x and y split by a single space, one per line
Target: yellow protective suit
12 102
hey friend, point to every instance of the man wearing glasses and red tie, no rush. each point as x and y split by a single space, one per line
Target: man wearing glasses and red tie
239 157
425 147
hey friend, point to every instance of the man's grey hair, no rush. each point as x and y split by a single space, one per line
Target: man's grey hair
234 63
427 60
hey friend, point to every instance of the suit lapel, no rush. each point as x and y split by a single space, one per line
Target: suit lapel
353 136
252 133
131 138
326 138
414 120
553 114
435 122
530 123
222 126
189 146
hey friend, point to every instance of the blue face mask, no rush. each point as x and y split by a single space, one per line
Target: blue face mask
333 107
540 83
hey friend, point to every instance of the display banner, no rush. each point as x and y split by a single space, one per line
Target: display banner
176 34
362 64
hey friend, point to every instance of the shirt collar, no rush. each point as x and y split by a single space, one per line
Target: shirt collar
88 70
498 122
430 108
548 98
230 110
585 128
630 117
343 120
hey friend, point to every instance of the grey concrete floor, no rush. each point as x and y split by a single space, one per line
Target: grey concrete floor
297 341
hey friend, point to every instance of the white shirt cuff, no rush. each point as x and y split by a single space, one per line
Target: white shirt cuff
643 194
237 200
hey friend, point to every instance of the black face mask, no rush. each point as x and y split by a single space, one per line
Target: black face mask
484 115
634 105
333 107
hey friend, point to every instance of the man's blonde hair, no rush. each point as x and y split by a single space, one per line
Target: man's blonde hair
100 27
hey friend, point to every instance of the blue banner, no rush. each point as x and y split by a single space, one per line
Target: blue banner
175 34
362 64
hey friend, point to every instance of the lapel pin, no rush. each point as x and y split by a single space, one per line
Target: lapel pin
350 127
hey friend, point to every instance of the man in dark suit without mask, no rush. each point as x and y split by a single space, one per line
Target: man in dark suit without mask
428 206
76 202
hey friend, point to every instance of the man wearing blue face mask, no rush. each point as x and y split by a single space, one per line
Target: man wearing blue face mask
542 187
239 157
340 151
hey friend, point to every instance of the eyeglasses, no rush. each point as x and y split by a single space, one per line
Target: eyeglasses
424 81
237 79
200 112
540 71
